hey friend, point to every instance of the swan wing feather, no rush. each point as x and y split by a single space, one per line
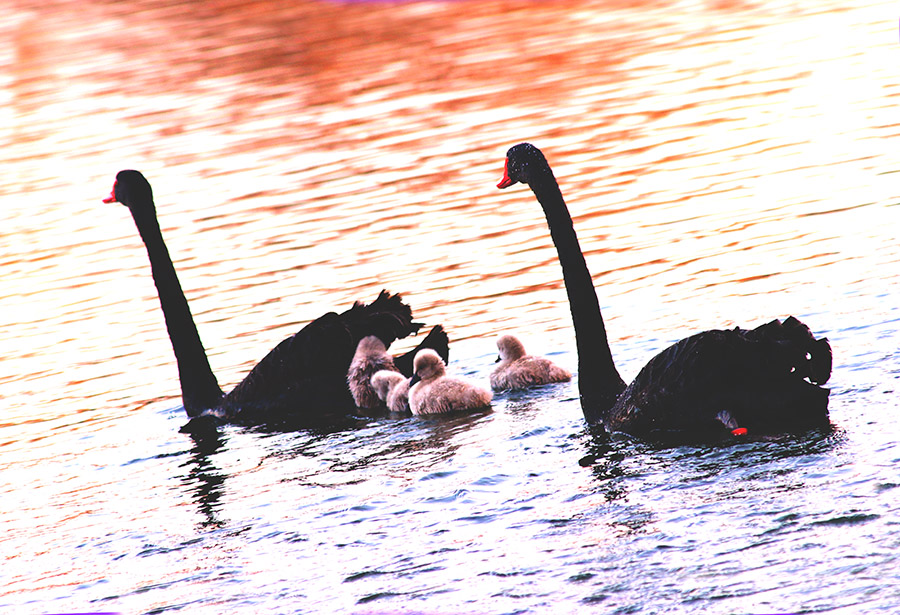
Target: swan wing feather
765 378
305 376
436 339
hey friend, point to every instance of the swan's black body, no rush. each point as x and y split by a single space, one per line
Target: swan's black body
303 380
763 380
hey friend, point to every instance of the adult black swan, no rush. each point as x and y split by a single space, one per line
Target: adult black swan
761 380
303 380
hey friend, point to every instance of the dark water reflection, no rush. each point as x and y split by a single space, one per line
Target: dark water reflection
203 478
725 162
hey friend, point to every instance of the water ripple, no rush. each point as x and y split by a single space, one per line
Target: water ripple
726 163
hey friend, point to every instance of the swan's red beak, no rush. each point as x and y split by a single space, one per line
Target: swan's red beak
506 182
112 196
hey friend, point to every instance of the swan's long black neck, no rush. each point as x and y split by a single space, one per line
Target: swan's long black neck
599 383
199 387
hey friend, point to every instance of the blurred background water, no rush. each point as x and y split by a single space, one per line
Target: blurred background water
725 162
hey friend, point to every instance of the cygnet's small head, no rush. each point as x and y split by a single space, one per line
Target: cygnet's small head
384 380
427 365
524 163
370 346
132 190
510 348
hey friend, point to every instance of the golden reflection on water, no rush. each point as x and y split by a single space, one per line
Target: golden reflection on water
724 162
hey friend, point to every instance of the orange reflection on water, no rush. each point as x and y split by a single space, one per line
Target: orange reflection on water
725 162
306 154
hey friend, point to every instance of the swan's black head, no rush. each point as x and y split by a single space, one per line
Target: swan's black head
524 163
131 189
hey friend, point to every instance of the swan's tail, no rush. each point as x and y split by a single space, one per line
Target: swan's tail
796 349
436 339
387 318
784 391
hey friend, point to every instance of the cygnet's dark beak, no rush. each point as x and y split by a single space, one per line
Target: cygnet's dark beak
415 378
498 359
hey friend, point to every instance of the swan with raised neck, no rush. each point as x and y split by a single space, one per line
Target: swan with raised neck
766 379
303 380
599 382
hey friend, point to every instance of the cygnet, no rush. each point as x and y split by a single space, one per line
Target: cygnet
371 356
518 370
393 389
433 392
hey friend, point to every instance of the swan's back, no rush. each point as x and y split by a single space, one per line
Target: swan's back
763 380
398 398
304 378
436 340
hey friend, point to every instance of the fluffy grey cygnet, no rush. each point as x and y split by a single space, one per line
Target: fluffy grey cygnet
371 356
393 389
433 392
518 370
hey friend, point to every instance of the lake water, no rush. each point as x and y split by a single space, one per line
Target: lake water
726 163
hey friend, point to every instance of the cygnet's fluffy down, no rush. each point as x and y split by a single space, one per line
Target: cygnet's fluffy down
371 356
518 370
398 398
433 392
393 389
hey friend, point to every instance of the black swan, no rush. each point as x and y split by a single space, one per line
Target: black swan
763 380
303 380
518 370
432 391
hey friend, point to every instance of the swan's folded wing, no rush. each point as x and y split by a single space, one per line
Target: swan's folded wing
436 339
306 374
765 378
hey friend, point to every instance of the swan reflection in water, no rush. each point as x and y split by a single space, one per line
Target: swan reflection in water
205 481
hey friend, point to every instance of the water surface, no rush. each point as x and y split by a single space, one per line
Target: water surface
726 163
